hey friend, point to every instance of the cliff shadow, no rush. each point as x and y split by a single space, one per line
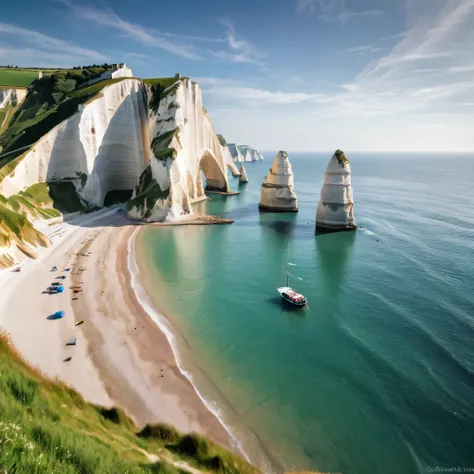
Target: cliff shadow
120 157
280 223
116 169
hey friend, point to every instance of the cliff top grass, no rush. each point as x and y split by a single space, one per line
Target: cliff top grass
164 81
46 426
20 78
341 157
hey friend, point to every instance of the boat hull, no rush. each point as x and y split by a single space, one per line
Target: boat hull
284 296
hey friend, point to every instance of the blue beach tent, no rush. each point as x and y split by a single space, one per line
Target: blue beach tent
57 315
60 289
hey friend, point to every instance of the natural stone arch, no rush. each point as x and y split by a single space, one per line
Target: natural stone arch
216 180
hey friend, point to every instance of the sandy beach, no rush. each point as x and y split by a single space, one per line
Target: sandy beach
121 356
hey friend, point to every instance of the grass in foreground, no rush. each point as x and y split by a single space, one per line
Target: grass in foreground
46 427
17 78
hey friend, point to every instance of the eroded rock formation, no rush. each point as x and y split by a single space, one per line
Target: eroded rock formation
335 211
243 175
277 191
183 143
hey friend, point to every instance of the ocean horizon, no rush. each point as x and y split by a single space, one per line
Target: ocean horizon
376 375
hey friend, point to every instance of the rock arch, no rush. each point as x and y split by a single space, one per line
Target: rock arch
216 178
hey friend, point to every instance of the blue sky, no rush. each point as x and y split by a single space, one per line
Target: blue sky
301 75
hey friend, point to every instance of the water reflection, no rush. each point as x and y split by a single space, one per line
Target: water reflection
281 224
333 253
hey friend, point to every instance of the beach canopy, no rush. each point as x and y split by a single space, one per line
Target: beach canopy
60 289
57 315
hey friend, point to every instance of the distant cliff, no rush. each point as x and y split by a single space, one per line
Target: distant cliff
241 153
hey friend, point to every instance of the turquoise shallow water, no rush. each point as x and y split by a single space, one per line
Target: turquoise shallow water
377 376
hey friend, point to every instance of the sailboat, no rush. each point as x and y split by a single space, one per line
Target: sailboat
290 295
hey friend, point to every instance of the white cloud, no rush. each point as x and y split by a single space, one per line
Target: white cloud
43 43
333 10
398 101
239 50
152 38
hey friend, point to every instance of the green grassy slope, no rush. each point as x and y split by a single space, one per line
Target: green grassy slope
47 427
17 77
16 215
41 112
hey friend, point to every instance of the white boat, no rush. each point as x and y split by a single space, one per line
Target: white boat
290 295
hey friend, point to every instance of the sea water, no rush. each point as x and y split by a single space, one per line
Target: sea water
377 375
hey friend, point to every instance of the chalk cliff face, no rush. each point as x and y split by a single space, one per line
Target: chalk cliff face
11 96
241 153
335 210
183 143
162 147
101 148
245 152
277 191
235 152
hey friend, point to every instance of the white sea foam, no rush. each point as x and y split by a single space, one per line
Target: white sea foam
165 327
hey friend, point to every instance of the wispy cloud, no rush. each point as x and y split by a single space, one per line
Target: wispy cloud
49 46
153 38
237 91
333 10
414 77
239 50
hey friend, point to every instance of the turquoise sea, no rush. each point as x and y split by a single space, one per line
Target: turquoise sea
377 376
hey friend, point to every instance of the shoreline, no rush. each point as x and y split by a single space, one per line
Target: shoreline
122 357
258 455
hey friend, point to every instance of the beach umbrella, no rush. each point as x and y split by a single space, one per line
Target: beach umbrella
60 289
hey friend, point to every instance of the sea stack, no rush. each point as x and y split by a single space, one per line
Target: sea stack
335 210
277 191
243 175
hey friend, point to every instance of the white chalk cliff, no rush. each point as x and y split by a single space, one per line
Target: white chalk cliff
101 148
235 152
241 153
243 175
245 152
165 152
277 191
183 143
335 210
